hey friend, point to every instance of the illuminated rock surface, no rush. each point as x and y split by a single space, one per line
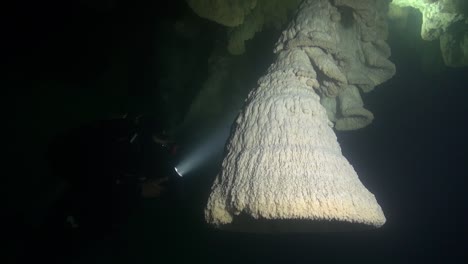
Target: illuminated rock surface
283 165
446 20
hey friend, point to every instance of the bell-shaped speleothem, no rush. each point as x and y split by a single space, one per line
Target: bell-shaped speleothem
284 164
284 170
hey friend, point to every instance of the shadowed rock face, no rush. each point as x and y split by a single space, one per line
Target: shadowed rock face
283 164
244 18
226 12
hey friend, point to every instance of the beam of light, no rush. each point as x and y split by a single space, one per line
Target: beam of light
207 150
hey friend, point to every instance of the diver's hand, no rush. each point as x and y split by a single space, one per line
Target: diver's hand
154 188
162 140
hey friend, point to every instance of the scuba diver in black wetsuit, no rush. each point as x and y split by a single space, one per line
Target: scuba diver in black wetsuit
156 148
107 168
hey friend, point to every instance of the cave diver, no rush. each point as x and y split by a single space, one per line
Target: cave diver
108 167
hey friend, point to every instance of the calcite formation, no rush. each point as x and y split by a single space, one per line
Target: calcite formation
447 21
244 18
226 12
283 169
346 44
454 47
437 16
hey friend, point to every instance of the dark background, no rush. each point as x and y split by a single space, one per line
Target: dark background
69 63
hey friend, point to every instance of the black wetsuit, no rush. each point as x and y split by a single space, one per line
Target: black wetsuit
101 167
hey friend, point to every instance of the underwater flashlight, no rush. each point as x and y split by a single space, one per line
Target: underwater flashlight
179 173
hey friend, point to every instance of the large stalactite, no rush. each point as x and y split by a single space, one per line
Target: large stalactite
283 169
